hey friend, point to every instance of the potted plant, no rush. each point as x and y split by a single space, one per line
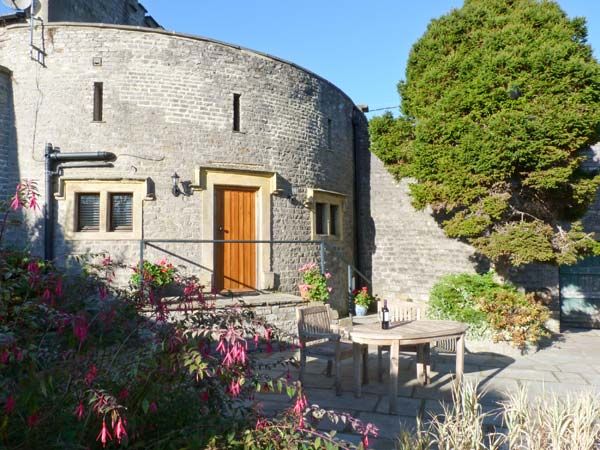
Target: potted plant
314 286
362 301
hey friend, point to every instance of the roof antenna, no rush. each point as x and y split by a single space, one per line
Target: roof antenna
34 7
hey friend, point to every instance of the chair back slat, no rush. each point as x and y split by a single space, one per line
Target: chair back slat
313 319
401 311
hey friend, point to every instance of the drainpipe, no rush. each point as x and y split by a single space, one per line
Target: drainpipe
356 188
53 156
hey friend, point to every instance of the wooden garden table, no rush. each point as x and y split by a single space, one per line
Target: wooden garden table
414 332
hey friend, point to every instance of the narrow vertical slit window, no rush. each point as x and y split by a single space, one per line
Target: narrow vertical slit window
98 101
236 112
329 133
121 212
88 212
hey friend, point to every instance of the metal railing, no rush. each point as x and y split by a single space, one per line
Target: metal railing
149 242
352 271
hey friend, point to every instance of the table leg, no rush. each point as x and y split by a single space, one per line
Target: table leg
460 358
393 394
357 353
421 377
427 362
365 364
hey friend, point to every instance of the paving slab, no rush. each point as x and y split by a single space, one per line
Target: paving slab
326 398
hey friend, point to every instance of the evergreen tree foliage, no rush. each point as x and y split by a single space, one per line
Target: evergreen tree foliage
500 99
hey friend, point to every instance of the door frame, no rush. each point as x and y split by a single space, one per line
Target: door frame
265 184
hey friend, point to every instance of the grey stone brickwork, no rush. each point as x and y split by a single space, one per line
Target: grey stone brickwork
168 108
119 12
404 250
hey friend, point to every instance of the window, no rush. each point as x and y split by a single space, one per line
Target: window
236 112
121 212
320 217
98 100
327 214
109 209
329 131
88 212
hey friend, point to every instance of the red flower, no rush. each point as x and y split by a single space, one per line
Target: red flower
10 405
80 411
204 396
17 201
4 355
104 436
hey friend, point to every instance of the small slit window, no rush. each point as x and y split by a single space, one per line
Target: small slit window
329 131
88 212
121 212
98 101
236 112
333 220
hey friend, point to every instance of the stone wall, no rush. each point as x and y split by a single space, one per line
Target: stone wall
168 108
120 12
405 250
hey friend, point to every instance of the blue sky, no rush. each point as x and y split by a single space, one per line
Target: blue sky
361 46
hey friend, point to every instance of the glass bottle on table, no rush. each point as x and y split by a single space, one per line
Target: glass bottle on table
385 316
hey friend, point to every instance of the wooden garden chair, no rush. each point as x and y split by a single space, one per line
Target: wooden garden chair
317 339
403 311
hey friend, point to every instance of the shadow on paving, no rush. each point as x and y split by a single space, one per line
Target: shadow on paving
572 364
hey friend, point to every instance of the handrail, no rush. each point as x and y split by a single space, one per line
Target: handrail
144 242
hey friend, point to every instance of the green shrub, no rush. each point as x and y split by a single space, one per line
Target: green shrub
490 308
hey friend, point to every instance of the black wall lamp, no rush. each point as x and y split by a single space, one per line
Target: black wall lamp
185 189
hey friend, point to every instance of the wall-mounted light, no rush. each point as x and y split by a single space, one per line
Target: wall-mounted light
175 189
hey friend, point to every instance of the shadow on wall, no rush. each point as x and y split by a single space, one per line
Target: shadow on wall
9 161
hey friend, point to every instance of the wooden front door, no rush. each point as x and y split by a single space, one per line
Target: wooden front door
235 219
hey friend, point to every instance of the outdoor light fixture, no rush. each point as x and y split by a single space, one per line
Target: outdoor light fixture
175 189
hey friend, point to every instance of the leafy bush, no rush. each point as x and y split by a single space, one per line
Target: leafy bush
490 308
314 285
84 364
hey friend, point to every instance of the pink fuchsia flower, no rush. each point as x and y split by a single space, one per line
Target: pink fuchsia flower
153 408
80 411
119 430
58 287
17 202
329 289
235 388
4 356
33 419
80 328
300 404
204 396
124 394
102 292
91 375
47 295
327 275
104 436
10 404
261 423
107 261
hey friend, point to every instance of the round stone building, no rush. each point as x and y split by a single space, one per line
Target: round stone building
263 150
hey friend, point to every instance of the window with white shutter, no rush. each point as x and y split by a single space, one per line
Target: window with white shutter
88 212
121 212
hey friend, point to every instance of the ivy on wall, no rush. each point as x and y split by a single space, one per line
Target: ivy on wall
500 99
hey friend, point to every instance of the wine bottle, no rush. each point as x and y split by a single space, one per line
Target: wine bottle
385 316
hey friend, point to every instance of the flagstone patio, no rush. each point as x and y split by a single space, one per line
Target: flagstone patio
570 364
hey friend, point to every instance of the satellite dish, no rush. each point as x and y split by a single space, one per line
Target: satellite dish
18 4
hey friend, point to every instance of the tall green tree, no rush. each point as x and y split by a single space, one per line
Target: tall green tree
501 97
